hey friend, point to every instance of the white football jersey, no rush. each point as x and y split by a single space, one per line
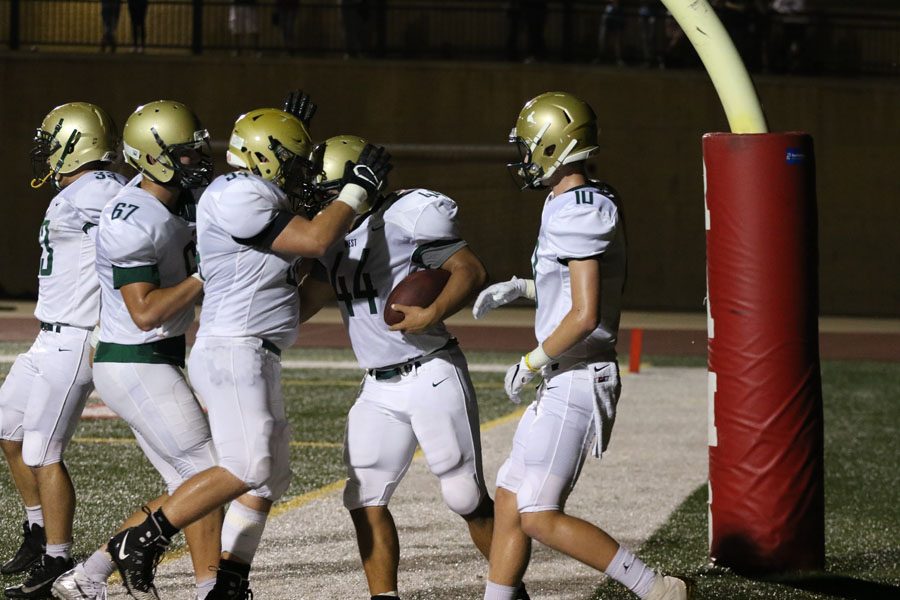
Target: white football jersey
411 231
584 222
139 239
249 290
68 291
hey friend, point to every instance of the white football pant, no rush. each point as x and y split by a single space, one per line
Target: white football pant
240 384
168 422
557 432
44 394
433 405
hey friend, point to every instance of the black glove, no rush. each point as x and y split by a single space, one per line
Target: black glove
301 106
370 170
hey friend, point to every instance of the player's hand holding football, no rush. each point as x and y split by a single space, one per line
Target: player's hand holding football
502 293
415 319
517 377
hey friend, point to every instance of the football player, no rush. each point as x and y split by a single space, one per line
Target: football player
249 238
579 273
44 394
146 265
417 388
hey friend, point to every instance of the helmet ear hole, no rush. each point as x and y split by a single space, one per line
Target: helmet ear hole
550 150
260 157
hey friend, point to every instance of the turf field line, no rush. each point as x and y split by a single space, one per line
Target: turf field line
338 365
132 441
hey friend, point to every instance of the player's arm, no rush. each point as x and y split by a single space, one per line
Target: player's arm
150 305
467 276
315 293
362 182
584 316
312 237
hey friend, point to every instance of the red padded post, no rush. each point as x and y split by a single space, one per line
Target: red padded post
766 427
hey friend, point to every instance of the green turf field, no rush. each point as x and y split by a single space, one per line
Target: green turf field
862 503
862 479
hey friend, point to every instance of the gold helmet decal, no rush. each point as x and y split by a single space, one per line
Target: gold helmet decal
71 136
158 135
553 129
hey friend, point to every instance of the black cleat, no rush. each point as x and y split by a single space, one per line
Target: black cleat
522 593
232 582
136 552
29 553
40 578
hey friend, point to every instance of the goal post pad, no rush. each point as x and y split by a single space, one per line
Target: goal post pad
766 425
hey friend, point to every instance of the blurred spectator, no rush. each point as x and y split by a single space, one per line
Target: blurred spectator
532 15
285 17
360 18
137 12
651 17
612 26
243 22
109 13
789 33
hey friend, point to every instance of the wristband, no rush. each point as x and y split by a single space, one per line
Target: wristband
537 359
354 196
530 291
196 275
95 336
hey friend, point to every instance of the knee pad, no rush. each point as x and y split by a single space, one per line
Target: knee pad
462 493
365 491
38 451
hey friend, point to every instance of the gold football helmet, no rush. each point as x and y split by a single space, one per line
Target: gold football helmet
158 134
274 145
553 129
329 159
71 136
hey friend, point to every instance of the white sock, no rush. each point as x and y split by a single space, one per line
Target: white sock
242 530
495 591
390 594
632 572
204 587
99 566
59 550
35 515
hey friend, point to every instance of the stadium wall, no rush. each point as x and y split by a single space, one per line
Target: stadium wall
651 125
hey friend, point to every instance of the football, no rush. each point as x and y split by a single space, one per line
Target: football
417 289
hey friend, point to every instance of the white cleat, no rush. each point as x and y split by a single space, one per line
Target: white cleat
76 585
667 587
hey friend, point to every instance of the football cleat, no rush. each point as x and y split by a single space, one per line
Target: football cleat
232 582
522 593
667 587
30 552
41 577
136 554
75 584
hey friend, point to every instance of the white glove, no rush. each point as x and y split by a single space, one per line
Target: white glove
502 293
517 377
